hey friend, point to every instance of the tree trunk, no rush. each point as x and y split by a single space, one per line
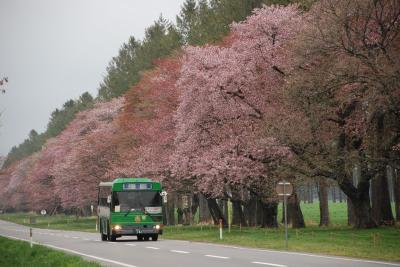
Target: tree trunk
194 206
310 193
223 205
396 191
340 196
250 211
333 194
361 202
259 213
204 212
294 212
179 211
381 207
170 209
323 202
351 220
359 195
269 215
215 211
237 214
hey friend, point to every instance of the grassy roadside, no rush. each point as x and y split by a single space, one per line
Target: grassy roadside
18 253
339 239
378 244
56 222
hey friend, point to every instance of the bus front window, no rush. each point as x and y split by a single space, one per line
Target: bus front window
135 200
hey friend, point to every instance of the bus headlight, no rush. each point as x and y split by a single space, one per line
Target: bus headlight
117 227
157 227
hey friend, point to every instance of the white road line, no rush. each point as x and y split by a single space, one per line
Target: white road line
296 253
152 248
132 245
86 239
75 252
218 257
180 251
269 264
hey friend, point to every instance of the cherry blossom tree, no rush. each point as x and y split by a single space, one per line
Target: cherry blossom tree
220 140
346 89
16 192
87 155
148 119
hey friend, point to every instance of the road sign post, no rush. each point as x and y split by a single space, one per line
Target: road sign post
285 189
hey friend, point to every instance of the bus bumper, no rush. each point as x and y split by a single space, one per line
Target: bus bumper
135 230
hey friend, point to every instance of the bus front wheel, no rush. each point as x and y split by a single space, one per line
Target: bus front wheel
103 236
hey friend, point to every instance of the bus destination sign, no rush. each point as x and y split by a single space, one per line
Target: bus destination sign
137 186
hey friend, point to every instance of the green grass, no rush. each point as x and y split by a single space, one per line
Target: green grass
343 241
60 222
337 213
380 244
19 254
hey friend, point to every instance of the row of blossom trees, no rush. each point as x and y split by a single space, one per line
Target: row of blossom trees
286 95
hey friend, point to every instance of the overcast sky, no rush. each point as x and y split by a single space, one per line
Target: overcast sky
54 50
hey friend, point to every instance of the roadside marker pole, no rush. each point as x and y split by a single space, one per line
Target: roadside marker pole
220 229
230 214
286 227
30 235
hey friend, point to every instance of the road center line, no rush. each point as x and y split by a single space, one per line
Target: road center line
132 245
269 264
218 257
152 248
74 252
180 251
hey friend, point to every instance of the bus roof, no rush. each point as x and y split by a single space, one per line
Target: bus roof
118 183
133 180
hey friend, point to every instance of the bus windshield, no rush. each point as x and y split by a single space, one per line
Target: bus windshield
137 200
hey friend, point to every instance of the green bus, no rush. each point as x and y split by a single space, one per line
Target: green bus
130 207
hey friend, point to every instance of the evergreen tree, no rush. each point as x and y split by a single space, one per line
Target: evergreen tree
137 56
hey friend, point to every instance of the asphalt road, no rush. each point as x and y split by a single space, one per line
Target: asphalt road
129 252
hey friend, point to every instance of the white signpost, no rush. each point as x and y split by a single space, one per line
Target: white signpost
164 196
285 189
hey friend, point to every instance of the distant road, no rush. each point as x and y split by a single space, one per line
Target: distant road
172 253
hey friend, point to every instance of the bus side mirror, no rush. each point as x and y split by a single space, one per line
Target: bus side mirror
109 199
